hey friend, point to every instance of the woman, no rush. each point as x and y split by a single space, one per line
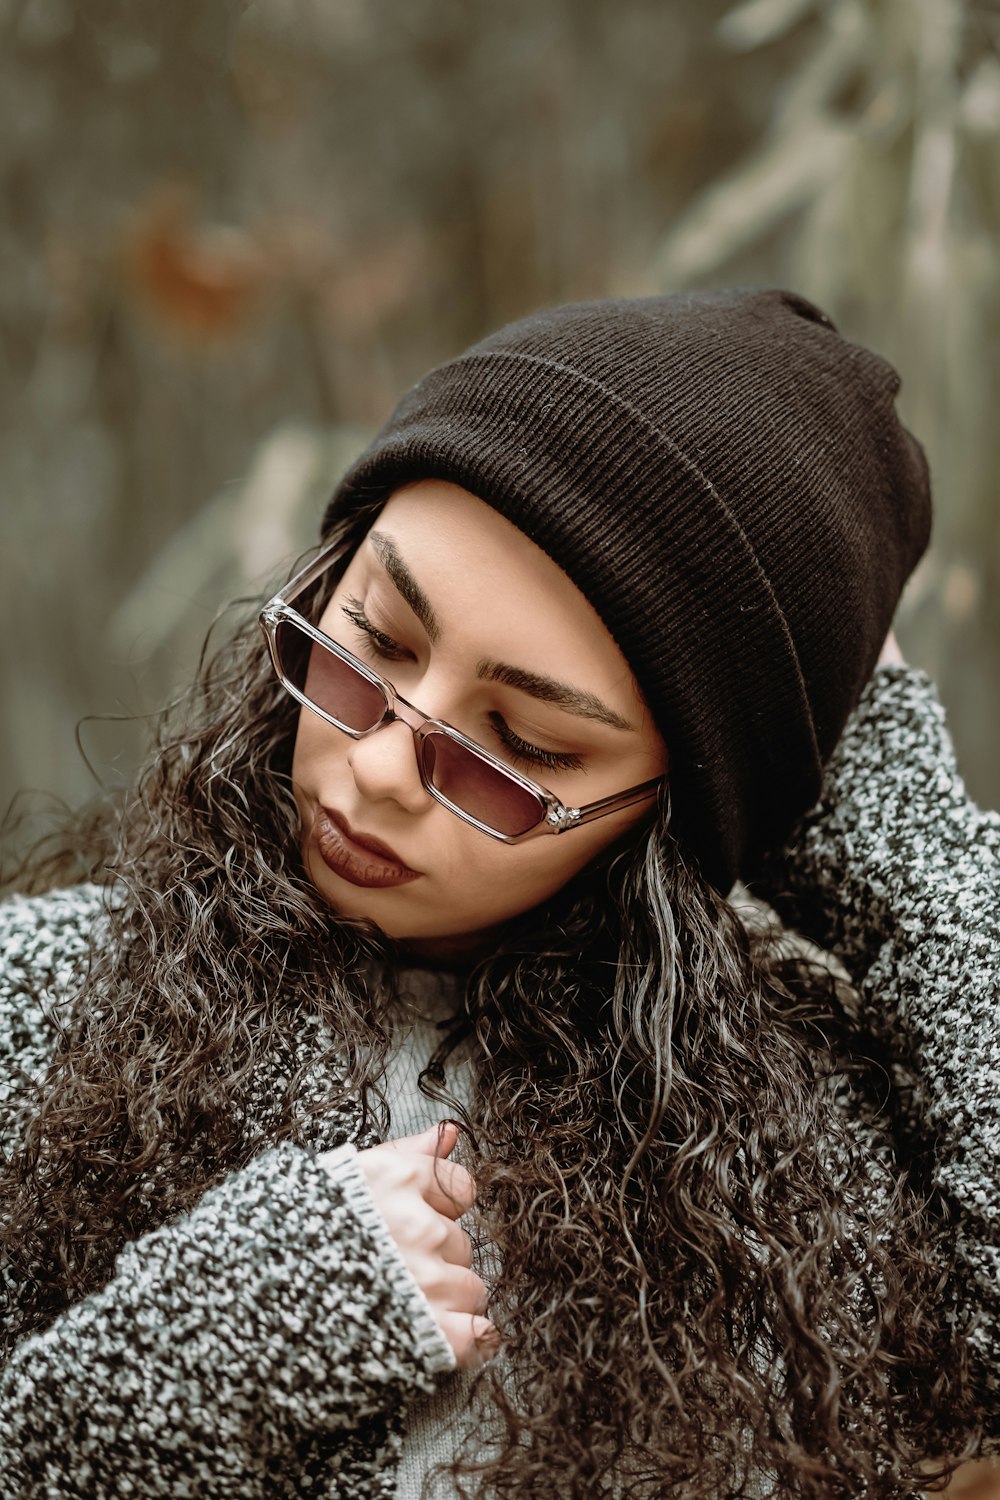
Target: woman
736 1221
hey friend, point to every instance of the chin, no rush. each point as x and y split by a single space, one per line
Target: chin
423 942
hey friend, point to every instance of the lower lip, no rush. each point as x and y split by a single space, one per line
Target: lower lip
352 862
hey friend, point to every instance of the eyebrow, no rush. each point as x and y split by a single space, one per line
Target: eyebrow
385 550
548 689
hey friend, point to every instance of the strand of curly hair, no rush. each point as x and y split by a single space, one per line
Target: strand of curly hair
703 1274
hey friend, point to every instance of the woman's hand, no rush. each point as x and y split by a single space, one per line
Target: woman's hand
421 1194
890 655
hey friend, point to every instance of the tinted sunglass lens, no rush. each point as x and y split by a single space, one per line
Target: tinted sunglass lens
336 687
478 788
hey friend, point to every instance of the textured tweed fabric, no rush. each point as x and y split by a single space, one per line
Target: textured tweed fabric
270 1342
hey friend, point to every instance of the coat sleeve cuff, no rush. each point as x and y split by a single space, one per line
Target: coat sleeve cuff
437 1354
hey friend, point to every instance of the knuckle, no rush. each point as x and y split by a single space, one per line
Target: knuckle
437 1235
413 1228
423 1271
389 1169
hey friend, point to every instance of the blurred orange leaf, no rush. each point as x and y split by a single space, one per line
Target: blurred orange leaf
199 283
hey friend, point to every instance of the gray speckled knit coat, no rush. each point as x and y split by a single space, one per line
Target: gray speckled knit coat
266 1344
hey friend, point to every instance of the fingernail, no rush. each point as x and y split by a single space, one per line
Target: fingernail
487 1338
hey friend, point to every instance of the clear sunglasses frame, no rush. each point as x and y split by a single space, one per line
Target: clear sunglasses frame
554 815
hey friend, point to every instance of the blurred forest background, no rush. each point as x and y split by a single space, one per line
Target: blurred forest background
232 234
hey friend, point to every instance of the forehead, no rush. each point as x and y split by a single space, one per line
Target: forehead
479 563
492 590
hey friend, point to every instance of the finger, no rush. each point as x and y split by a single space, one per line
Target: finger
448 1188
447 1288
437 1140
456 1247
449 1242
445 1185
473 1340
451 1288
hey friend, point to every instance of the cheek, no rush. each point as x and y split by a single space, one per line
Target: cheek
500 880
316 745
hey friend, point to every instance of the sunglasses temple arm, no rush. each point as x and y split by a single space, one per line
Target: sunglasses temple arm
305 576
619 801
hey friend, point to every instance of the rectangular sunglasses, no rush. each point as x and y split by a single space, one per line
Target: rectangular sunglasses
464 777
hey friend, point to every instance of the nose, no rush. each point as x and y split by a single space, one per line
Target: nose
384 765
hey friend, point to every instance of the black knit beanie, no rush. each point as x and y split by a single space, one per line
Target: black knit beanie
726 479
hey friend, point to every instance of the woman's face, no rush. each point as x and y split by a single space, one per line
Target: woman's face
442 586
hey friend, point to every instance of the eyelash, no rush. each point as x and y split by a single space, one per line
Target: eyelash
531 756
385 646
528 756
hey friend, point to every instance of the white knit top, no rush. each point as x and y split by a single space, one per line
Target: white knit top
437 1421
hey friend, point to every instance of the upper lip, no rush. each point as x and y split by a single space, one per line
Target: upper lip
365 840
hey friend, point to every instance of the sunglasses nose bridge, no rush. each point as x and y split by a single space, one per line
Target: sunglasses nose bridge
402 709
424 729
398 708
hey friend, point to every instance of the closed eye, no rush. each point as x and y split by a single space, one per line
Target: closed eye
529 757
532 756
380 645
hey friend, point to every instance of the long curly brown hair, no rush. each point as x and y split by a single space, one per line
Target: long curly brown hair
705 1274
